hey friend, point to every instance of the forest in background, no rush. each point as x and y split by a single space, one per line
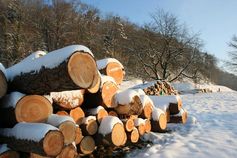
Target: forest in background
162 49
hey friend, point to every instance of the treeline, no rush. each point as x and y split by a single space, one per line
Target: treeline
163 49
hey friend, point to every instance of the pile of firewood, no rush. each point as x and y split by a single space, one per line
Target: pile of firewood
65 104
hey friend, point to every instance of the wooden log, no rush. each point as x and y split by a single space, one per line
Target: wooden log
66 125
89 125
158 120
19 108
77 114
104 96
133 136
128 103
140 125
62 113
68 151
111 131
96 84
6 152
148 105
111 67
128 124
74 68
181 117
172 102
79 135
68 99
33 155
87 145
38 138
112 113
98 112
147 125
3 81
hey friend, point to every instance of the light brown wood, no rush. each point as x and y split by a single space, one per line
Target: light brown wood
160 124
147 110
179 118
33 108
3 84
68 129
96 84
133 136
77 114
128 124
10 154
118 135
98 112
89 127
115 70
68 151
139 123
79 135
68 99
62 113
87 145
147 126
33 155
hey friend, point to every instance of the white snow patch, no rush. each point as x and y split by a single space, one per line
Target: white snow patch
105 78
210 130
129 84
29 131
139 121
49 60
146 99
156 112
101 64
164 101
10 100
56 120
125 97
140 91
87 119
107 124
3 148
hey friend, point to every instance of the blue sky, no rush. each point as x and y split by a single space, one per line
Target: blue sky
215 20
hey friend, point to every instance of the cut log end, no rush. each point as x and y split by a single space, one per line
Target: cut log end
68 151
148 126
79 135
141 129
108 91
53 143
62 113
91 128
101 114
33 155
82 69
87 145
147 111
95 85
118 135
134 136
115 70
33 108
77 114
68 129
129 125
159 125
3 84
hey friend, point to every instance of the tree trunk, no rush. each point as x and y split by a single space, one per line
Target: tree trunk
74 68
87 145
68 99
104 96
181 117
111 67
89 125
98 112
158 120
66 125
37 138
19 108
128 103
77 114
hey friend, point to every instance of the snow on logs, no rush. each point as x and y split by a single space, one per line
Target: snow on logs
89 125
104 96
3 81
158 120
111 67
17 107
98 112
128 103
181 117
73 68
66 125
39 138
111 131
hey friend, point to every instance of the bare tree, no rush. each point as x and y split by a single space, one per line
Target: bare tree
232 63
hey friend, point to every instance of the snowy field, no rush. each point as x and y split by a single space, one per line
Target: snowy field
211 130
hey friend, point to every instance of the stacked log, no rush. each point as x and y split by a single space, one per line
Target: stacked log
72 106
3 81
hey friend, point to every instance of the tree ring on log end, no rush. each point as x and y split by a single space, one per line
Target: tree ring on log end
163 121
115 70
33 108
109 89
68 129
87 145
82 69
53 143
134 135
92 127
117 135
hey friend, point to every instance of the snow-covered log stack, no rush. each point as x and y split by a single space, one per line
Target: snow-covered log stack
64 104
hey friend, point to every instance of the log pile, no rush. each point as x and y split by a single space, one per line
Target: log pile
72 106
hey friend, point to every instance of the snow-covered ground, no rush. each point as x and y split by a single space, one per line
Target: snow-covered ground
211 130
